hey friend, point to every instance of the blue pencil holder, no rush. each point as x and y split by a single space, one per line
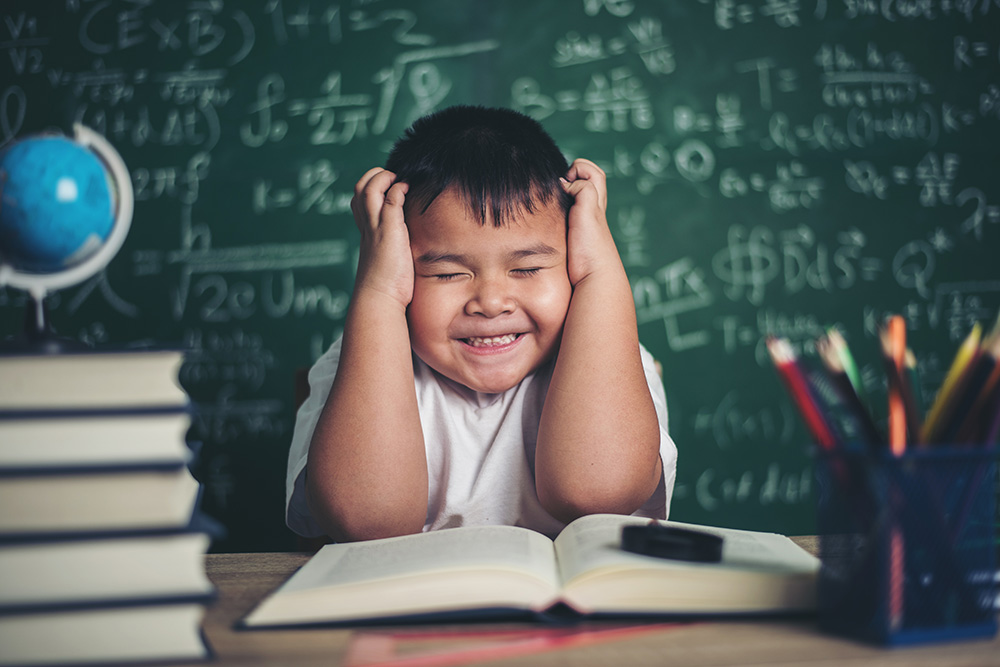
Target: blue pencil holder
908 545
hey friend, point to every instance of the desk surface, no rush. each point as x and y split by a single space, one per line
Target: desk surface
243 579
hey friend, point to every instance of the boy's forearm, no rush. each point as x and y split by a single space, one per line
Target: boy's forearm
367 470
598 441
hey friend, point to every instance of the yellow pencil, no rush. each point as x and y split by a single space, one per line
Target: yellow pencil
945 394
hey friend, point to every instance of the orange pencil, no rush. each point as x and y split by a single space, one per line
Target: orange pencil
894 347
895 338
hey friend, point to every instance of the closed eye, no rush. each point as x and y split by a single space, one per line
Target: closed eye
524 273
444 277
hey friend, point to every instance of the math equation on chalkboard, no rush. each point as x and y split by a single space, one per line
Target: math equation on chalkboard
775 168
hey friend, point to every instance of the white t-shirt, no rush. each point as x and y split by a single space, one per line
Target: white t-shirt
480 450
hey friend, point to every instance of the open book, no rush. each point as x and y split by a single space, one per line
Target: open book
480 569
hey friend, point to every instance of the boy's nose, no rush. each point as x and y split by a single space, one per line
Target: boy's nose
490 298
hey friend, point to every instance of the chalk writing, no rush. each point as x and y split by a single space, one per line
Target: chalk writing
236 357
313 192
339 117
611 102
13 107
774 487
185 113
23 43
334 118
755 258
229 419
791 188
731 424
207 28
731 14
169 182
633 238
773 167
644 37
305 21
674 290
100 286
920 10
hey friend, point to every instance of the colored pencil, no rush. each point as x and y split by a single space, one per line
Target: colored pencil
841 349
786 363
862 425
901 419
975 392
894 339
945 395
900 390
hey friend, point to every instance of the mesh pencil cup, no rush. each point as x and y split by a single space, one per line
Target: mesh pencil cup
908 545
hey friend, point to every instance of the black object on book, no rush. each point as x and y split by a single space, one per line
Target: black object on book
672 542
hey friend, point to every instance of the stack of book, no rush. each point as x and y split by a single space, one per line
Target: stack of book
101 543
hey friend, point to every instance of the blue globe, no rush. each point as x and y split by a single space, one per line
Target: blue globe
56 204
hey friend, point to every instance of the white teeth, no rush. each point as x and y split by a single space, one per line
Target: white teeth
491 342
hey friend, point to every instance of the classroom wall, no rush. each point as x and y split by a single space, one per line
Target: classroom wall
774 166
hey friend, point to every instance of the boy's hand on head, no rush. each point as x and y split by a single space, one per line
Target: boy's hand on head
598 393
385 264
590 246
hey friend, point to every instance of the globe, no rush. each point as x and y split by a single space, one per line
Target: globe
65 208
56 204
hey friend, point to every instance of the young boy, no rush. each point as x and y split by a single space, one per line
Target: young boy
490 370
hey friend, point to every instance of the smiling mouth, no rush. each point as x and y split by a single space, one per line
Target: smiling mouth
492 341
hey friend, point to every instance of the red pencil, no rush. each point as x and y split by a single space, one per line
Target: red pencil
791 374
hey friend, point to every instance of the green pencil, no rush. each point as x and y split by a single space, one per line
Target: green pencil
839 346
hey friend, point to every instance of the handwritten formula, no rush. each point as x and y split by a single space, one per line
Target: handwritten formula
774 167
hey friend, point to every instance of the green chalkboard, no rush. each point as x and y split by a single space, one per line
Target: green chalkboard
775 166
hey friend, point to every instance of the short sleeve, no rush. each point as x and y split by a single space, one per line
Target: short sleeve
658 506
321 376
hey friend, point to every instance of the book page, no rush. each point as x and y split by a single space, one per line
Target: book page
594 541
758 572
479 547
591 542
480 567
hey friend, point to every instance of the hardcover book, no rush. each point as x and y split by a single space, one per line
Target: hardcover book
94 379
484 570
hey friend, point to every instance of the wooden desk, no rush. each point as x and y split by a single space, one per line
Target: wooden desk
243 579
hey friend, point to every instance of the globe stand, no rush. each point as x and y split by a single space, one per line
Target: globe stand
38 335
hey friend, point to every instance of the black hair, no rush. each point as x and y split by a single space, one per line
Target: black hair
503 162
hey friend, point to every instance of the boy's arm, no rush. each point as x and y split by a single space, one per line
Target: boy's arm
366 475
598 440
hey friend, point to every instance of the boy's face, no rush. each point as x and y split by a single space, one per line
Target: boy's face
488 302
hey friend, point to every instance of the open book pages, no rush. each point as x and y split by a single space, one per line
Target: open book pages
759 572
449 570
482 568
